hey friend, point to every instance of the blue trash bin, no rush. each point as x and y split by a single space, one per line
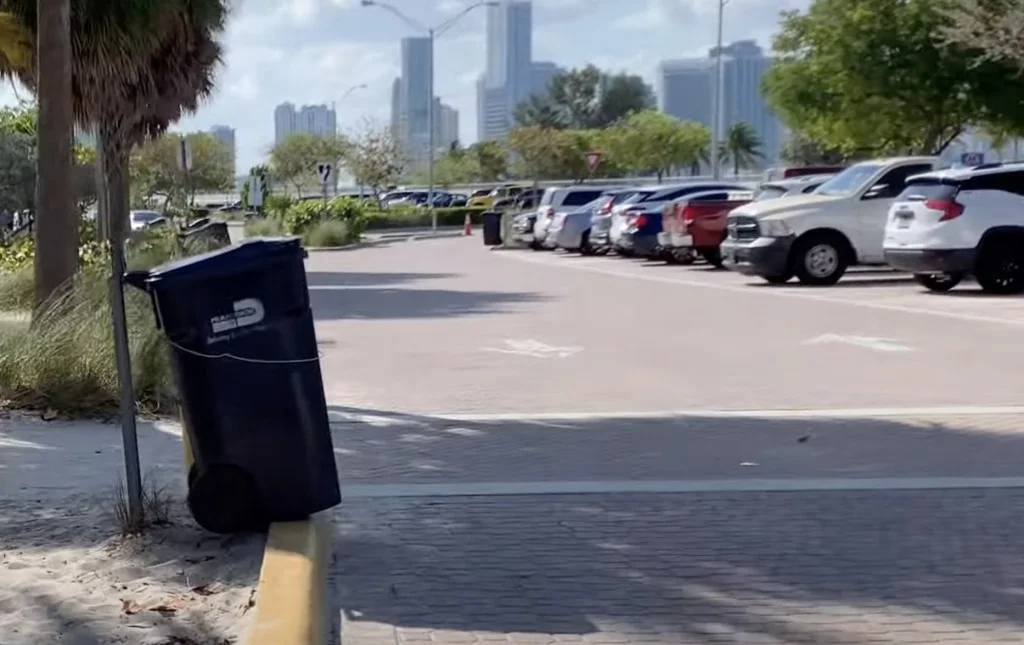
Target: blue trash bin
245 358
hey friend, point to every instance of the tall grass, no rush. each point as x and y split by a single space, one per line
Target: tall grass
65 359
329 233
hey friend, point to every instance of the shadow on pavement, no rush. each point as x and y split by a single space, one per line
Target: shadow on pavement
823 566
395 303
362 279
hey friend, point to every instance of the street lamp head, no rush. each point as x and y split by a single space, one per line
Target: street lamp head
492 3
366 3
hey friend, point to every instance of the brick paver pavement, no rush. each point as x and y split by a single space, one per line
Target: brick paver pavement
899 567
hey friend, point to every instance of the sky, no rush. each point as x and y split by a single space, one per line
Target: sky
314 51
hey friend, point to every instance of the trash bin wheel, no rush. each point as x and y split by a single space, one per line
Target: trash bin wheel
224 498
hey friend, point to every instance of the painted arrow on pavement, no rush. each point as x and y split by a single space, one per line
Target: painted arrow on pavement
866 342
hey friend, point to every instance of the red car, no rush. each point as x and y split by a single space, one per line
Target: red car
695 225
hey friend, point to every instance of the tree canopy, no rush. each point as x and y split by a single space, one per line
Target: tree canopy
154 169
294 160
876 76
587 98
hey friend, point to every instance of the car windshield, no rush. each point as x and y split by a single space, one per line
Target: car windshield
145 216
850 180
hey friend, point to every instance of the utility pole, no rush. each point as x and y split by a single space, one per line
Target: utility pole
432 34
717 100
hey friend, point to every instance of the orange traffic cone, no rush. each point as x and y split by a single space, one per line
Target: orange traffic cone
467 227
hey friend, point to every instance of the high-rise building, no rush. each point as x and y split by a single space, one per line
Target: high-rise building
311 119
226 136
284 121
686 90
541 73
397 125
447 125
508 76
415 94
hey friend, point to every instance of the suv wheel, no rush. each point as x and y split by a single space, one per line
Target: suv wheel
940 282
1001 268
820 259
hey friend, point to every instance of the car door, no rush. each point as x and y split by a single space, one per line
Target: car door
872 210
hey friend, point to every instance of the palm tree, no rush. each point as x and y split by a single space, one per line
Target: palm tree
135 68
742 146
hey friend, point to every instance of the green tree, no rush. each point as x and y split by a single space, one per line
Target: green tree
155 169
375 158
991 27
804 151
872 76
545 153
741 147
539 111
490 160
295 159
576 94
654 142
622 95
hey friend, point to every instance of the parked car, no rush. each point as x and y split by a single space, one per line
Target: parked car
556 202
487 200
143 219
575 233
458 200
528 199
792 172
695 225
635 227
969 221
802 185
816 237
601 222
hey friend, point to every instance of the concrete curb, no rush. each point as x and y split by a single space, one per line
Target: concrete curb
291 596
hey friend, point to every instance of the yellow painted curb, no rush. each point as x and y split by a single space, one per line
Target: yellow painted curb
291 596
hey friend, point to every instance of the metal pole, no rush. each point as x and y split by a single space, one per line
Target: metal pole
129 435
430 126
716 100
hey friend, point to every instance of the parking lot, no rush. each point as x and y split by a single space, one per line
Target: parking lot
538 447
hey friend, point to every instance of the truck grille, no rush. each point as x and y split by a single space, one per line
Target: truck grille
743 228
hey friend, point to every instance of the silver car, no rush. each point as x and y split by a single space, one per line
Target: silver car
574 234
555 203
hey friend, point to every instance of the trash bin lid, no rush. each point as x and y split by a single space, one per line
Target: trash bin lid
231 259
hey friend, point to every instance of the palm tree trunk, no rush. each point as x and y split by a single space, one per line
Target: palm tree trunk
57 220
113 175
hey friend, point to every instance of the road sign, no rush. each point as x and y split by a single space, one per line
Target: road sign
325 170
594 160
184 154
972 158
257 184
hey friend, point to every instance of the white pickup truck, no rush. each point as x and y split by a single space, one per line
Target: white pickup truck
816 237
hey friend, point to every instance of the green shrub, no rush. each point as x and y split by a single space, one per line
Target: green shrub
307 215
420 217
277 205
18 290
330 233
264 227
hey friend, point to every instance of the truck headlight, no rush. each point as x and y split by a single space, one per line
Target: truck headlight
774 228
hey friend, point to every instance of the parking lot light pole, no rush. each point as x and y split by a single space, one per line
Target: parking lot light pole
717 100
432 34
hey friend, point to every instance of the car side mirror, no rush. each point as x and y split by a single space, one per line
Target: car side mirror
877 191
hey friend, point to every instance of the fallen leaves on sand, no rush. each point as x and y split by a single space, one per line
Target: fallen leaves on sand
130 607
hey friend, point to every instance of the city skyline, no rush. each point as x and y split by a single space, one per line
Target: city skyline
313 53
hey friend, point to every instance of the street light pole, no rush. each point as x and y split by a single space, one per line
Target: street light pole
717 99
430 139
432 34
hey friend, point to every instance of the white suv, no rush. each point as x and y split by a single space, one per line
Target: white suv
965 221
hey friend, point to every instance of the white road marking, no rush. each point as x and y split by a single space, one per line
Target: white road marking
867 342
487 489
533 348
777 292
411 418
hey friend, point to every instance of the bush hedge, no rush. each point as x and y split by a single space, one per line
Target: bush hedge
392 218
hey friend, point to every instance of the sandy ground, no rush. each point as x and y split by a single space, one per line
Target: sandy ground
65 574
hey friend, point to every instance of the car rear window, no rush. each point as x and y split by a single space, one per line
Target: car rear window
922 189
549 196
770 192
581 197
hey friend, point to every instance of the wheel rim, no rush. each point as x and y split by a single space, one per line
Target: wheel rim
821 260
1008 273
